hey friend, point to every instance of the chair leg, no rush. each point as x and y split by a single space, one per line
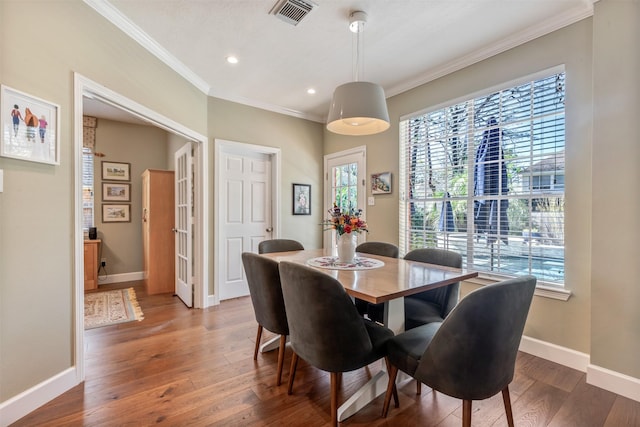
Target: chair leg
393 373
507 406
335 378
466 413
418 387
292 372
258 338
283 344
395 389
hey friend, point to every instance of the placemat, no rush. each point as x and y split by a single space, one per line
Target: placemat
332 263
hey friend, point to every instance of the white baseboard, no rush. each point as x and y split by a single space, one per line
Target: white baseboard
29 400
119 278
606 379
624 385
615 382
555 353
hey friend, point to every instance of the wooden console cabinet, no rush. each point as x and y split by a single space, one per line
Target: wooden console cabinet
158 238
91 252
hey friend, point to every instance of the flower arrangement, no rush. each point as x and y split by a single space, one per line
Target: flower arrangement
345 221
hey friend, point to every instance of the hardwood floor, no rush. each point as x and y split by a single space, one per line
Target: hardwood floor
195 367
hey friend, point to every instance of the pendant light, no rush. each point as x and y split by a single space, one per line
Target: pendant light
358 108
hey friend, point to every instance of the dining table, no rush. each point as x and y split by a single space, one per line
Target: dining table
376 279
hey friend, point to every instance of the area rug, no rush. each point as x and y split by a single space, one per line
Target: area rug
111 308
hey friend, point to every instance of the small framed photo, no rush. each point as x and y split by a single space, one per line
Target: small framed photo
381 183
116 171
30 128
116 192
301 199
116 213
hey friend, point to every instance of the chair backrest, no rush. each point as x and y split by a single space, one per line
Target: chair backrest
279 245
446 296
263 278
473 353
325 327
378 248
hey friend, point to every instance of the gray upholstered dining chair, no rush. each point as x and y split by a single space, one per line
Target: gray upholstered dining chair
325 328
472 354
436 304
374 311
279 245
263 278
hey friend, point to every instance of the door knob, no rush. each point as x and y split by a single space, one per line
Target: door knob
269 230
175 230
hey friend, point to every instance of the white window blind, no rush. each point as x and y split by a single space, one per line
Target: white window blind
87 189
485 177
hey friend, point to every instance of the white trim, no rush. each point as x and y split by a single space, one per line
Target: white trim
561 355
117 18
113 15
546 27
542 290
537 75
86 87
121 277
18 406
220 146
613 381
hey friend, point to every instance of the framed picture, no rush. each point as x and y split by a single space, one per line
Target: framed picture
116 171
381 183
116 192
30 128
301 199
116 213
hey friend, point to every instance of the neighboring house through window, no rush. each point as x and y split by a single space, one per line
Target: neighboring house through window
485 177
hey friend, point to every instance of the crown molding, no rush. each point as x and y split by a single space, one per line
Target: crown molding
528 34
113 15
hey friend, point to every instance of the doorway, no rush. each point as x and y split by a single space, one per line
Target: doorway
84 87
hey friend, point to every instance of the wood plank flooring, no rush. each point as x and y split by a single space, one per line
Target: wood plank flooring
182 366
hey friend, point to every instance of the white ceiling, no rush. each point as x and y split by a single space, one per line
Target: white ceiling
406 42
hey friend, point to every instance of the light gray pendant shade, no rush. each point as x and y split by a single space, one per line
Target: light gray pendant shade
358 108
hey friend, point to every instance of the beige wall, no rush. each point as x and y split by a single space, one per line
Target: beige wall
570 46
615 315
144 147
301 145
602 161
37 205
37 214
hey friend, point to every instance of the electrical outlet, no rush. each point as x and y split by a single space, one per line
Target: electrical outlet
103 262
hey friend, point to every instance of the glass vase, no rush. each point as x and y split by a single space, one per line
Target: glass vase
346 247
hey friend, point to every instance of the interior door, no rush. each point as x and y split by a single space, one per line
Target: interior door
245 215
184 223
345 182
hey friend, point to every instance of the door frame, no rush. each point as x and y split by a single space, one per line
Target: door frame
84 87
220 146
361 152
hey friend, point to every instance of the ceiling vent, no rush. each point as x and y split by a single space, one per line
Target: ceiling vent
292 11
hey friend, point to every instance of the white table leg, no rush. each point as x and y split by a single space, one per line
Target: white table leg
394 320
272 344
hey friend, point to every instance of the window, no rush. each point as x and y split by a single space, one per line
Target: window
87 189
485 177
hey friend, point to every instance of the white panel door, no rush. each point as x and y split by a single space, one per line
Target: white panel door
245 214
184 224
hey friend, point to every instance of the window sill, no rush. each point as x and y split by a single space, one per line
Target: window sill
542 290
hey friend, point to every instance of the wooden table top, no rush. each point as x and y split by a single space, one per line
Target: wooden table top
397 278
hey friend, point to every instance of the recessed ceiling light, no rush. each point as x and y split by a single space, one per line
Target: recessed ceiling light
232 60
311 91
